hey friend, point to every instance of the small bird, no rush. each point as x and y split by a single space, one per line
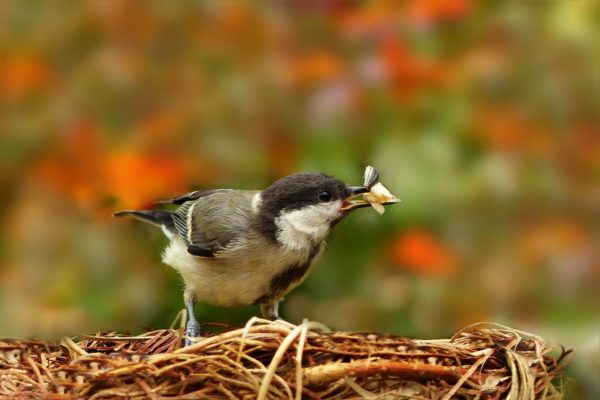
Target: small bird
250 247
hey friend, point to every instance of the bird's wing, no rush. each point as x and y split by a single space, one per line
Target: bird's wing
209 223
197 243
191 196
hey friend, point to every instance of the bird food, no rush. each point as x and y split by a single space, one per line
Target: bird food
378 195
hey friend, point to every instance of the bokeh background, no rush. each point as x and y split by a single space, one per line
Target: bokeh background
483 117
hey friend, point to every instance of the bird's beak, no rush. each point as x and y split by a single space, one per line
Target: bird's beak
350 203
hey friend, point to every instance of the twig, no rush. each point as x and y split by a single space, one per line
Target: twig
326 373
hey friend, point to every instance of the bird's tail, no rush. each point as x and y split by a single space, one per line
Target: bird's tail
158 218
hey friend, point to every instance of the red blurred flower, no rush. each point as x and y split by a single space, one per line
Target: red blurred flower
406 71
421 252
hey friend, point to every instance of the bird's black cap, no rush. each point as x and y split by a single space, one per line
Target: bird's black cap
303 189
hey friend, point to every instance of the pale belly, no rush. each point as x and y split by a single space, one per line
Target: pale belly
241 277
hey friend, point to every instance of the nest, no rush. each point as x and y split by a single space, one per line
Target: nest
276 360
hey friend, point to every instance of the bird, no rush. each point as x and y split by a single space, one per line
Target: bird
250 247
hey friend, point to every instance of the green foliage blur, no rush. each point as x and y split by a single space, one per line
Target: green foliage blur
483 117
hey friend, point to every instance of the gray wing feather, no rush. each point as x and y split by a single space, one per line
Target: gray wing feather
191 196
197 243
209 223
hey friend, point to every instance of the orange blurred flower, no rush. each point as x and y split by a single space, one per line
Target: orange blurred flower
507 129
419 251
426 12
159 127
137 179
236 20
316 68
374 17
22 74
72 165
89 172
551 239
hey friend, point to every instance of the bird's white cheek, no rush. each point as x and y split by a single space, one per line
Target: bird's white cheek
302 228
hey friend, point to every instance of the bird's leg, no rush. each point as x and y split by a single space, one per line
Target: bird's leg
270 311
192 329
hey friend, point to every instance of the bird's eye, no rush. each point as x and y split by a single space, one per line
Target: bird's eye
324 196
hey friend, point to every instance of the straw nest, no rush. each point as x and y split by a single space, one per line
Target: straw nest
276 360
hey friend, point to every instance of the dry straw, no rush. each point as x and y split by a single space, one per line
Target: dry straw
272 360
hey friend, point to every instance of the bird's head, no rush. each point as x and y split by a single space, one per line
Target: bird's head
304 207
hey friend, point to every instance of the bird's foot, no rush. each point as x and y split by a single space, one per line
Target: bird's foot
192 333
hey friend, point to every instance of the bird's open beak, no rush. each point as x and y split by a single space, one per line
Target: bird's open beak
350 202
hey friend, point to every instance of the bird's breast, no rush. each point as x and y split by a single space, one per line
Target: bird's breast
289 277
242 274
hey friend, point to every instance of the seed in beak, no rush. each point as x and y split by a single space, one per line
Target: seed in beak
378 196
373 193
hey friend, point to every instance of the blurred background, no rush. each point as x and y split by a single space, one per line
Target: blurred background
483 117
